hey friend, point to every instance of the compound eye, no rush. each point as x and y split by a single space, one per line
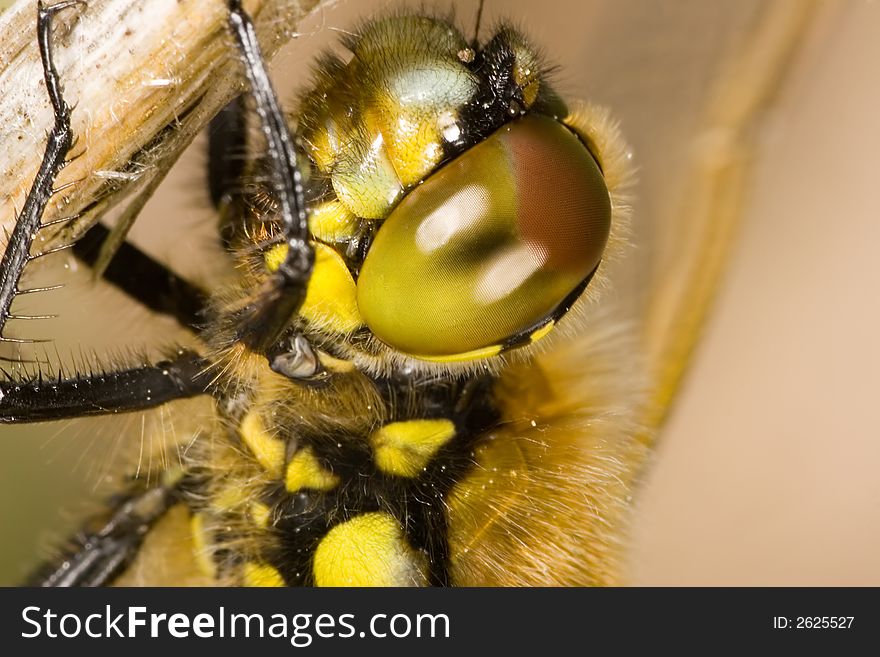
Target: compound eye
490 248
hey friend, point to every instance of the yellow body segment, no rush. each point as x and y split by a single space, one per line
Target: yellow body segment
476 354
229 498
168 556
336 365
331 298
368 550
405 448
268 450
333 222
259 574
275 256
542 332
366 181
306 472
388 133
202 546
526 69
260 513
414 109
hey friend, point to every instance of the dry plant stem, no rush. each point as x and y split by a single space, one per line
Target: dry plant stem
129 70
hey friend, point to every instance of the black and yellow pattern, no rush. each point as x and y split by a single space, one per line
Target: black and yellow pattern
409 461
458 208
413 426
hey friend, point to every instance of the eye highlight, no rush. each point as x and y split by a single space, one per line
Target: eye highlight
491 247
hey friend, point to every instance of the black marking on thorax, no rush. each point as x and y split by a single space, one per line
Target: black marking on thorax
302 519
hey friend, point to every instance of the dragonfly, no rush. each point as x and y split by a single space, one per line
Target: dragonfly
687 203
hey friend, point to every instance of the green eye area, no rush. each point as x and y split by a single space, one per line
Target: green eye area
491 246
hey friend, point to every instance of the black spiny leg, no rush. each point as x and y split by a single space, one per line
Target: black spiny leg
227 141
18 250
144 279
130 270
264 320
227 158
42 399
96 556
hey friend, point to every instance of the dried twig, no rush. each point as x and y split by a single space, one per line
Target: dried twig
143 79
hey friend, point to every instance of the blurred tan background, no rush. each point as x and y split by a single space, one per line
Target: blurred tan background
765 473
